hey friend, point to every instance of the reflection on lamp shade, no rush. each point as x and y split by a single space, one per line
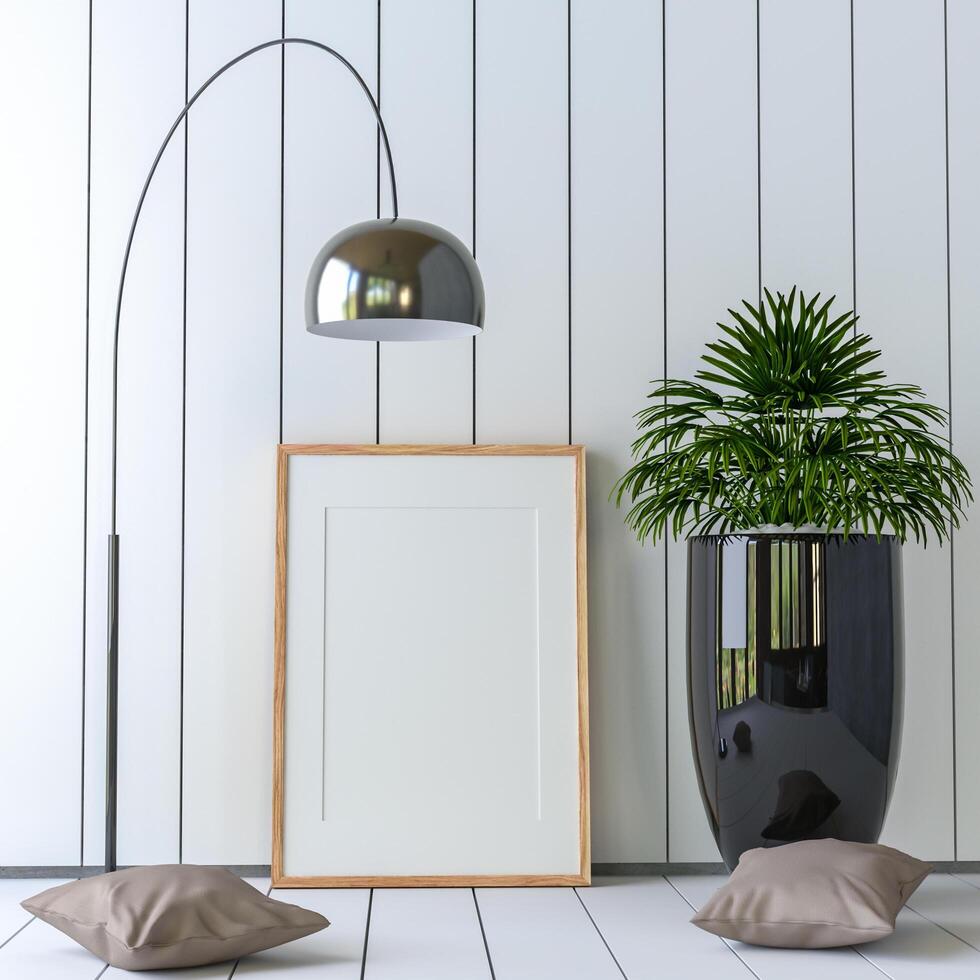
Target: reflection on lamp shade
394 279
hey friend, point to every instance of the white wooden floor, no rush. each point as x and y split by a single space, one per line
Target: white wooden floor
635 928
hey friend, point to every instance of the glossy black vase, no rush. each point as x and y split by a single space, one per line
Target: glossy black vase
795 667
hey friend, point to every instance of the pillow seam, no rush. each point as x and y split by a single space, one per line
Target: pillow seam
793 922
104 927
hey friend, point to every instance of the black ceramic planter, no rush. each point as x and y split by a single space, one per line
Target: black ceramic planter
795 656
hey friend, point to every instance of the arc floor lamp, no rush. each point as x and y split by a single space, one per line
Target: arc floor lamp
384 279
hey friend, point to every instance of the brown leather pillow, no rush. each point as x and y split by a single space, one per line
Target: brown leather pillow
170 915
813 894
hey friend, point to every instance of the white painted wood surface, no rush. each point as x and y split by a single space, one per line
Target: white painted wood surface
233 425
522 209
137 92
335 952
522 385
41 952
919 948
805 114
643 919
42 376
951 904
617 350
964 260
330 390
901 224
407 924
13 891
633 927
712 261
543 934
472 561
427 101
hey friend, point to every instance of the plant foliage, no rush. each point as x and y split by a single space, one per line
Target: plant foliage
789 423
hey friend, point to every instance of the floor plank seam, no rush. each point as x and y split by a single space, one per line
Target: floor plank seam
367 933
869 957
948 932
595 926
953 874
483 933
18 932
733 950
872 963
738 956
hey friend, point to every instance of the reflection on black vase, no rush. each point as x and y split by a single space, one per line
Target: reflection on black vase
803 804
795 657
742 737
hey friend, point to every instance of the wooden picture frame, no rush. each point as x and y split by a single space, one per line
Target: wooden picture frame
580 875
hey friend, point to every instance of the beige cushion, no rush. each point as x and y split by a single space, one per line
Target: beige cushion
170 915
813 894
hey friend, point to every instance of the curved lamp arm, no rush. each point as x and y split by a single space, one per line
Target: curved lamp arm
276 42
112 659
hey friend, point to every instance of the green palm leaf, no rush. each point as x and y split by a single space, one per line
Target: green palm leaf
788 422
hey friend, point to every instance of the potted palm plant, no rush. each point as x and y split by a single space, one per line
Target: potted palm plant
796 471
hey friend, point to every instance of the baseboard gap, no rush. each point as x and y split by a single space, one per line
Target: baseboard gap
90 870
599 870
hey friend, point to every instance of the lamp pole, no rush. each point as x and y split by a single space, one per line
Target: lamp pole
112 659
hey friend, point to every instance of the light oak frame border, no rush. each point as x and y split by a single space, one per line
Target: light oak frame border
280 880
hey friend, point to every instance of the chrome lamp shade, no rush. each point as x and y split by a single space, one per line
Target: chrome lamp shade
394 279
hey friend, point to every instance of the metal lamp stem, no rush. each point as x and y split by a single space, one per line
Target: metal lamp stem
112 704
112 664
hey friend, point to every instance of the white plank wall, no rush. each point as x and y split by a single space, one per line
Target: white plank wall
805 131
137 92
712 262
901 297
427 101
522 211
42 376
233 426
330 390
964 260
535 133
617 348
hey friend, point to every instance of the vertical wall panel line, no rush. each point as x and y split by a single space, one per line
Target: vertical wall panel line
568 144
663 171
88 297
282 200
183 450
377 193
758 142
949 421
473 201
853 183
